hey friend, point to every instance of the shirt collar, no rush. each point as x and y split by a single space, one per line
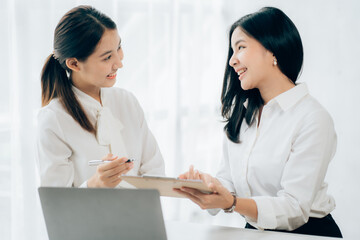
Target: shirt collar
289 98
292 96
86 99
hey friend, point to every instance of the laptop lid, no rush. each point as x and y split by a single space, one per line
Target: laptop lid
97 213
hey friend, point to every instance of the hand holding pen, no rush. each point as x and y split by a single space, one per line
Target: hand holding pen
98 162
109 171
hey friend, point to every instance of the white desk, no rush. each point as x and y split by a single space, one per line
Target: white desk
192 231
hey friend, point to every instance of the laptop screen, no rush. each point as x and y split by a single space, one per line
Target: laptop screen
98 213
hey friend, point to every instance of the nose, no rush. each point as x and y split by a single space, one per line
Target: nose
118 61
233 61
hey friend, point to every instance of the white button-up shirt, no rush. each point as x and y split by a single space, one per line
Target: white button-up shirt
64 147
282 163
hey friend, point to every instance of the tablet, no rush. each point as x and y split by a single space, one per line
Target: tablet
165 185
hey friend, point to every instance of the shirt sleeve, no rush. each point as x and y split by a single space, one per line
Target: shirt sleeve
224 174
55 168
312 149
152 162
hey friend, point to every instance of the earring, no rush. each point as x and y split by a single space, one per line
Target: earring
275 61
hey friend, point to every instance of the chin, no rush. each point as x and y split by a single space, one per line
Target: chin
245 86
109 83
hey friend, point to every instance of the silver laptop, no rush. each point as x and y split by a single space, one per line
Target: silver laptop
93 213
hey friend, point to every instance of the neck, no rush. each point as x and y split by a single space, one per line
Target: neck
90 90
276 85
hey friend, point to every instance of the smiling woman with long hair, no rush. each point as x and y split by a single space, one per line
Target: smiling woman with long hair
278 139
83 117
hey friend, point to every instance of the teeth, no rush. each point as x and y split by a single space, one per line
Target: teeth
241 71
111 75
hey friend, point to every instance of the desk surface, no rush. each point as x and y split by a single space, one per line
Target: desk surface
185 231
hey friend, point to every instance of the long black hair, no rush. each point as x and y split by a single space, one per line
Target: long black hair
276 33
76 35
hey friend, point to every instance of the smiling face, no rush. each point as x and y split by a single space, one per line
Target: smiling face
250 60
99 69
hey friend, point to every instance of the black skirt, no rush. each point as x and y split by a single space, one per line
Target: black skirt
325 227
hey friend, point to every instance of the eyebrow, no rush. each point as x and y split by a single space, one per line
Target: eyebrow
107 52
238 41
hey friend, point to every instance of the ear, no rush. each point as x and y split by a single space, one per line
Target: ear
72 64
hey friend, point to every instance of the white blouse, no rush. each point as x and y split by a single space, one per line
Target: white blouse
64 147
282 163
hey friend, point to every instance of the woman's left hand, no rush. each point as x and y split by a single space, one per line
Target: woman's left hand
220 198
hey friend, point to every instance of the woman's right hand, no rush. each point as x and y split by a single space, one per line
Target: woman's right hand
195 174
108 175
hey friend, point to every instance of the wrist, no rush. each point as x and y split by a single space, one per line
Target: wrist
233 204
91 182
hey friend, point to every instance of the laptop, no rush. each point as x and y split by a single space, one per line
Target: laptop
98 213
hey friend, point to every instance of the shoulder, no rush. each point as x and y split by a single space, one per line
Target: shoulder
311 111
123 104
120 97
50 110
52 115
119 94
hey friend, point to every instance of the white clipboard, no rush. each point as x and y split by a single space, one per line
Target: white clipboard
165 185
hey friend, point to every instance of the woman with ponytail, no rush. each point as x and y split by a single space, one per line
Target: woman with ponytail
278 140
83 117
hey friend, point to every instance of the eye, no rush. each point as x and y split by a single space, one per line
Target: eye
241 47
108 58
119 47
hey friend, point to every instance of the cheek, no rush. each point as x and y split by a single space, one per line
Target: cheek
102 70
241 57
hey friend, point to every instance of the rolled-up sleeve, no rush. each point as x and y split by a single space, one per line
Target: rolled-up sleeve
312 149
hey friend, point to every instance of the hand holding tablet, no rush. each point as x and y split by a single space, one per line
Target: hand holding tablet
165 185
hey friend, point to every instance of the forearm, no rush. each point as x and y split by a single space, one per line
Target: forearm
247 207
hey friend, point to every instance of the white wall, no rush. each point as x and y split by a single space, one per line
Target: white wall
174 60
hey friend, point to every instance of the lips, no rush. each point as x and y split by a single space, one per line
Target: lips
111 76
241 72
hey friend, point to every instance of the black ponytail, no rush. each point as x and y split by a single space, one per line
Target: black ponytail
56 84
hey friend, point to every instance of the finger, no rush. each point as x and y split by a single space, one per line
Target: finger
183 176
188 195
194 192
116 170
108 165
196 174
217 187
121 160
127 169
108 157
124 169
115 178
207 178
116 182
191 172
204 177
115 162
194 199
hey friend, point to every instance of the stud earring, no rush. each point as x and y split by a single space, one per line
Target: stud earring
275 61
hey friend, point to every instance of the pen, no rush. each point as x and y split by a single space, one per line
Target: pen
98 162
